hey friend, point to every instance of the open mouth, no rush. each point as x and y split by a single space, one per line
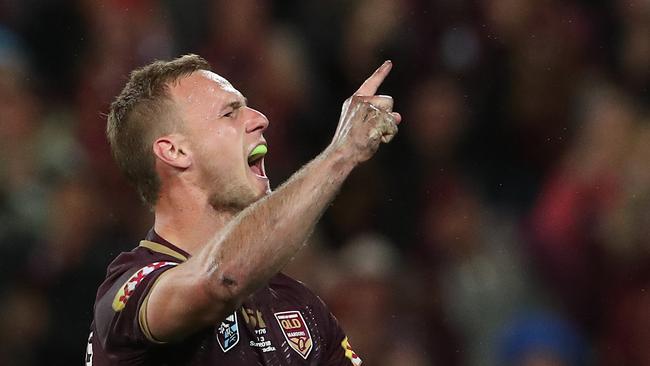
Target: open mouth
256 160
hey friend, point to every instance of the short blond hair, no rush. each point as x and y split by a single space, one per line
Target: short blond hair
142 112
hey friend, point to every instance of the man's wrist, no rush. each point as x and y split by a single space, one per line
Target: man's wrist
340 160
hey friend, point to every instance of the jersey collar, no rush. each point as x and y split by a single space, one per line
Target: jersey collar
155 242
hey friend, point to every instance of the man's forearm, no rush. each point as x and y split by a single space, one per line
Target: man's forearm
261 239
266 235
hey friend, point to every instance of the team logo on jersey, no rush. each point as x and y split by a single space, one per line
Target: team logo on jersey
125 292
228 333
349 353
295 331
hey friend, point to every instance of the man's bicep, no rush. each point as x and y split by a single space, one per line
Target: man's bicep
178 304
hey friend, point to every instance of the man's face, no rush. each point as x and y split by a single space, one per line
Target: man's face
222 131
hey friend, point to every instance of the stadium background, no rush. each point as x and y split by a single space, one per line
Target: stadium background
507 224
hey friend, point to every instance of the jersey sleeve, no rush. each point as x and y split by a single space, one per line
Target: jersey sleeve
339 350
120 314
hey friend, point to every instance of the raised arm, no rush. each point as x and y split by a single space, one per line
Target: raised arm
266 235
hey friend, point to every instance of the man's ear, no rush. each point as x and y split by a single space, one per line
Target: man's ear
171 150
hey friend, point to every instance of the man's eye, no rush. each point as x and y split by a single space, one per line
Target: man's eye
229 114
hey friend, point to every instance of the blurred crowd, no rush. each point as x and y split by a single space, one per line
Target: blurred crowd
507 224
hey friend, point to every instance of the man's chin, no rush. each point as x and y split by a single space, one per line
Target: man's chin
258 196
240 200
262 193
262 187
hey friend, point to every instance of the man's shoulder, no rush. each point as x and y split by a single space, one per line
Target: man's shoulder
146 253
133 266
126 260
281 280
295 289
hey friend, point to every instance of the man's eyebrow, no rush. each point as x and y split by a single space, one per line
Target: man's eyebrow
237 103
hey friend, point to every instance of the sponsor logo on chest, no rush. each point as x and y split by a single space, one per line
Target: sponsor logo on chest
256 321
295 331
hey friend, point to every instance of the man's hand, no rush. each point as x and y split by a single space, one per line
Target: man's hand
366 119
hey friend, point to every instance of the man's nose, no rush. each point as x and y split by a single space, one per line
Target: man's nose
256 120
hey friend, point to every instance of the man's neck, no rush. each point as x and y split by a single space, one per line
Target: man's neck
189 223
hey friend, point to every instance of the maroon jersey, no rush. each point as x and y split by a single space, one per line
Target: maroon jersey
282 323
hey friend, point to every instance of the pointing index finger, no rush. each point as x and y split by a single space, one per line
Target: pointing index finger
370 86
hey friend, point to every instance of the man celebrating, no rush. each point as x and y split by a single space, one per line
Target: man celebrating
204 287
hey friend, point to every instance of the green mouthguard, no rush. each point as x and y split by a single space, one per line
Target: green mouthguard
257 151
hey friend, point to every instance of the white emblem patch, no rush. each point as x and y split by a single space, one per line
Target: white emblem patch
228 333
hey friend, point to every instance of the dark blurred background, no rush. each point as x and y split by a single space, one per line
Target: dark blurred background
507 224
